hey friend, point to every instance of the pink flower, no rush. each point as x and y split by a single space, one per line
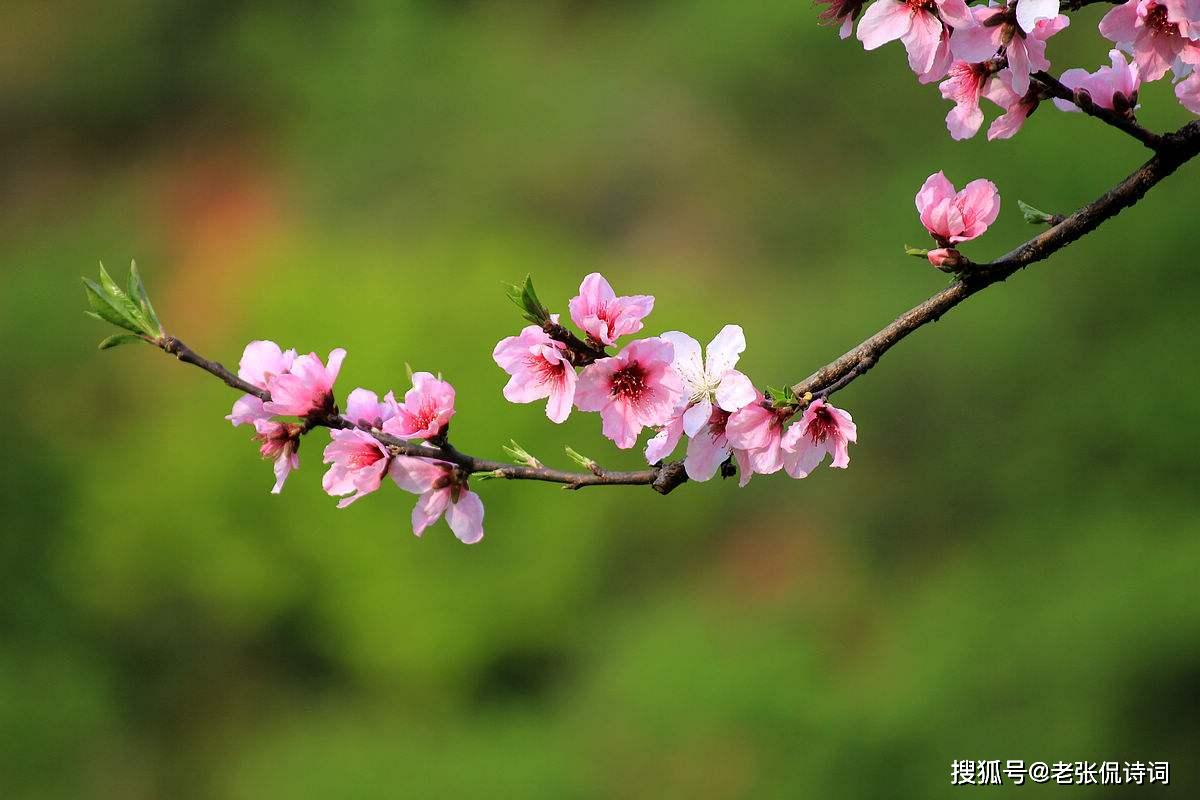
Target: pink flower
944 257
635 389
663 443
1017 107
539 368
951 218
1152 32
358 461
823 429
443 491
965 88
1024 48
843 11
919 24
364 408
602 315
1185 14
280 442
261 361
758 430
306 387
1188 93
1107 86
426 410
709 448
942 59
1030 12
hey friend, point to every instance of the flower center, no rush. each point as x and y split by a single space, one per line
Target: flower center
365 456
629 382
822 426
546 371
277 439
1156 20
717 421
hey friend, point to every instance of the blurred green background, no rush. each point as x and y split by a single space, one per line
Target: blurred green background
1008 570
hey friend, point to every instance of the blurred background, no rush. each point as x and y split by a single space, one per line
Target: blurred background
1008 570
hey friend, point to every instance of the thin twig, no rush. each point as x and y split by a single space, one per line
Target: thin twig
662 478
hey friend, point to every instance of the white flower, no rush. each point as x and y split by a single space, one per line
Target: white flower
712 378
1030 11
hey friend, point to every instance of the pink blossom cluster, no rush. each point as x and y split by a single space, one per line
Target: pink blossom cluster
302 387
668 383
990 51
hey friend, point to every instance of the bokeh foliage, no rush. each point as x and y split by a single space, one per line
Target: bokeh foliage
1008 570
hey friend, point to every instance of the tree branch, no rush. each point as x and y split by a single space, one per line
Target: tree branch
1176 149
1123 121
1171 151
662 478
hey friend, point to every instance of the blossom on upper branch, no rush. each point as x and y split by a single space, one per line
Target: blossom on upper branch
922 26
426 410
637 388
1030 12
957 217
822 429
1109 87
602 315
996 28
306 387
1017 107
1161 36
965 87
358 463
539 368
843 11
443 491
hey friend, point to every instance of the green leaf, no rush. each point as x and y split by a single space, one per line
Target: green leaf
915 251
122 300
780 397
137 290
107 308
1035 216
525 298
118 339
